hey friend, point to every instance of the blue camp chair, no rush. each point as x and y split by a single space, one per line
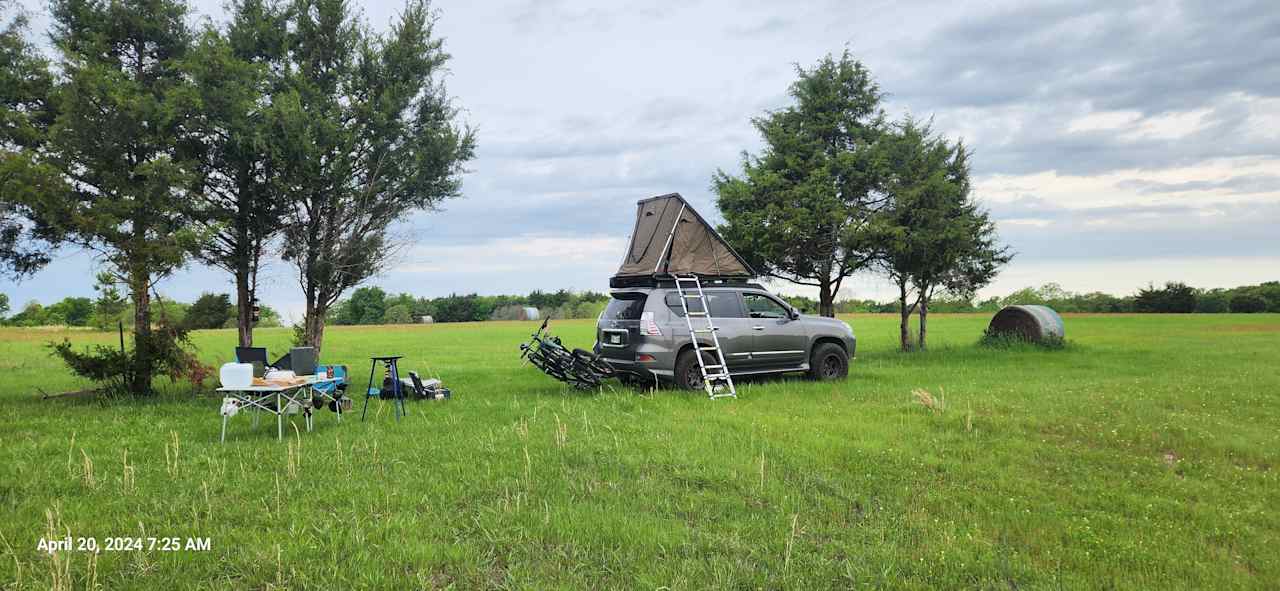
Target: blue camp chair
333 391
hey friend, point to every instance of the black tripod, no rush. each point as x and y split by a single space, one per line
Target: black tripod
390 370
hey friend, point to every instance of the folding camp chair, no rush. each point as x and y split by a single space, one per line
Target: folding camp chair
333 392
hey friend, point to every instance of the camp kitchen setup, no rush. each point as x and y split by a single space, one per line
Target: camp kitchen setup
296 384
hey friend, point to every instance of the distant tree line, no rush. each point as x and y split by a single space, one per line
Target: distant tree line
107 312
1172 298
372 305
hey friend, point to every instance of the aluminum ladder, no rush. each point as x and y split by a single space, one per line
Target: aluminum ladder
715 376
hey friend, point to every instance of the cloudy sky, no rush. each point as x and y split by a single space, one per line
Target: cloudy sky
1116 144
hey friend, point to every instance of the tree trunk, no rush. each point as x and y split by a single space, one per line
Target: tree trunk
313 322
244 306
143 351
826 299
924 318
904 325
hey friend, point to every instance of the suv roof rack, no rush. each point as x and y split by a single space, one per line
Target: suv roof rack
669 281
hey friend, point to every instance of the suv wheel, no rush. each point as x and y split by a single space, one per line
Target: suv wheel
829 362
688 376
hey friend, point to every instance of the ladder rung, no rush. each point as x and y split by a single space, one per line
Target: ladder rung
716 376
706 348
712 329
692 295
712 366
697 313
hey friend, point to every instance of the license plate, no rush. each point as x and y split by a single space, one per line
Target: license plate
615 339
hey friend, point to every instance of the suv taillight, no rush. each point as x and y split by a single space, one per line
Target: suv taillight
647 325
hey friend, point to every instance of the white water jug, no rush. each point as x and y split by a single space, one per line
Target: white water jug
236 375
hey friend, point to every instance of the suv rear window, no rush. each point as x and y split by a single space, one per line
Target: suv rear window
724 304
625 306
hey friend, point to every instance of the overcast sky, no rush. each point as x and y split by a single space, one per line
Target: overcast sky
1116 144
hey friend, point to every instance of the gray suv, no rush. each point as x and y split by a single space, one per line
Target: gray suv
643 334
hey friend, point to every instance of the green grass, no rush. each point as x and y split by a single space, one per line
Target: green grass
1141 456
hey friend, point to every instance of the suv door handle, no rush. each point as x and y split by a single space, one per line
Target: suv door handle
757 327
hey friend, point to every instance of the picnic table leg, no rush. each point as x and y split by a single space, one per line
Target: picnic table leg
279 419
224 428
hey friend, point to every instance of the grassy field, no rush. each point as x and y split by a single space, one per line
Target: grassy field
1142 456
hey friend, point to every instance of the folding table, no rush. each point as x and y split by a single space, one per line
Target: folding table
258 398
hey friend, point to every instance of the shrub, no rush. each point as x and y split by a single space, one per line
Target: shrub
211 310
115 370
397 314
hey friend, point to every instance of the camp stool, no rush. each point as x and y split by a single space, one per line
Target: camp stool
390 369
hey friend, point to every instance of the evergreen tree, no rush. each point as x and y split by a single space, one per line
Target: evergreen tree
366 137
114 148
231 95
801 208
931 235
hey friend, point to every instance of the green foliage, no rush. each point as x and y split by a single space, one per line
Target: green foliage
25 115
4 305
1214 301
1174 297
110 172
397 314
367 136
371 305
210 310
232 145
366 305
32 314
116 371
109 306
801 207
465 308
931 235
1248 303
72 311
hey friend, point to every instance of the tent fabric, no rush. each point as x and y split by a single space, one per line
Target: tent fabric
695 248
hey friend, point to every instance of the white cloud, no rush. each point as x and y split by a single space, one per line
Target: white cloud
1103 121
520 253
1168 126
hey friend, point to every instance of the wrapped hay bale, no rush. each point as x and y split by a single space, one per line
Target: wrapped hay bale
1034 324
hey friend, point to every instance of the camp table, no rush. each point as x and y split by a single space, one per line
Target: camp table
257 398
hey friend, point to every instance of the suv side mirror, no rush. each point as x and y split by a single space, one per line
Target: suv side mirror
793 314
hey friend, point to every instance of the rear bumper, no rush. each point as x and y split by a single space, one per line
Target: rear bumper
662 364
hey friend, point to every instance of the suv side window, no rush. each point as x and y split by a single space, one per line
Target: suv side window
724 304
763 306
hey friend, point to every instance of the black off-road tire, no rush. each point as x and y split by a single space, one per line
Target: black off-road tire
828 362
687 374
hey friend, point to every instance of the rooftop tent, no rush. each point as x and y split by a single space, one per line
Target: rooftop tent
671 238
